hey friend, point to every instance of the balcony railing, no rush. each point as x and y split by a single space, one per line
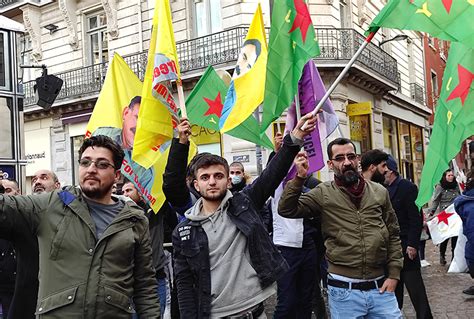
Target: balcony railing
223 48
4 3
416 93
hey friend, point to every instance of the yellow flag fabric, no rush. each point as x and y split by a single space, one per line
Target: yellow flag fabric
247 88
158 113
114 96
114 115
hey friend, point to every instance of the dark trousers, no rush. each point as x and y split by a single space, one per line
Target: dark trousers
421 249
5 301
412 279
296 287
444 245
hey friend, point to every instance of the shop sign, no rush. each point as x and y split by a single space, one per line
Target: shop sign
203 135
359 108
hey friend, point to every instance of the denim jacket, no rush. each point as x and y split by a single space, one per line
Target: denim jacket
191 249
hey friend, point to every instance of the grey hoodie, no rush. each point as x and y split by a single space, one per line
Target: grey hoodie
234 282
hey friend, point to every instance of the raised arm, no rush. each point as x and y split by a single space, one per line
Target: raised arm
174 178
18 212
278 167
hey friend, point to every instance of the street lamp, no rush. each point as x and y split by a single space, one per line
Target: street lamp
398 37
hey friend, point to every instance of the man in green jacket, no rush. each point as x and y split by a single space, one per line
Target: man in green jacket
360 232
95 250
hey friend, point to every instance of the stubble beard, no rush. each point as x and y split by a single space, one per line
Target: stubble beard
215 197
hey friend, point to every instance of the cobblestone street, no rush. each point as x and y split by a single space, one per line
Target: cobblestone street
444 291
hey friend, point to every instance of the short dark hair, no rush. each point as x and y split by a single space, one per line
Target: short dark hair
238 164
105 142
374 157
190 169
339 141
135 100
256 43
207 159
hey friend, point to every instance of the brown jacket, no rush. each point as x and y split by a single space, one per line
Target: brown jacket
360 243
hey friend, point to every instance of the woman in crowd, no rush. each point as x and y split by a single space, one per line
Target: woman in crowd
446 191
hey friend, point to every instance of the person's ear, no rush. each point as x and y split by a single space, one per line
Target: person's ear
195 183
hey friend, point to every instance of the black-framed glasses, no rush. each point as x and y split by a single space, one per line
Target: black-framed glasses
340 158
100 164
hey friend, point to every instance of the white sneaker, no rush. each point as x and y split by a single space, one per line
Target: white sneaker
424 263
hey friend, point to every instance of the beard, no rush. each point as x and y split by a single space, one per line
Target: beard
349 176
96 191
378 177
215 197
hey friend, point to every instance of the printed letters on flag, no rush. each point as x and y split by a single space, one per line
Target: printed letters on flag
158 113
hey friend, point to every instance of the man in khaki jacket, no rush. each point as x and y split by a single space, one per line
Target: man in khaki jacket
360 232
94 249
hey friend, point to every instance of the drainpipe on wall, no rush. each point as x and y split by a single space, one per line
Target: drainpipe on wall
140 26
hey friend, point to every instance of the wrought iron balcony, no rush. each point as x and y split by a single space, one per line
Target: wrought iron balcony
5 3
223 48
417 93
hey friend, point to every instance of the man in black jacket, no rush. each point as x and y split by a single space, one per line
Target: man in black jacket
403 194
225 262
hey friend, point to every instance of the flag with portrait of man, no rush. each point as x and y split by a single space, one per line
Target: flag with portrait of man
247 87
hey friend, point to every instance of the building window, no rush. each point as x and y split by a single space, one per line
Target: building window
417 151
207 15
24 48
6 128
434 86
4 62
76 143
97 43
345 14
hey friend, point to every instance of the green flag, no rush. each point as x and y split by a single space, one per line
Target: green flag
454 118
444 19
204 107
292 43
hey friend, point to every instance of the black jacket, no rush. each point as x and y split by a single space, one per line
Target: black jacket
27 257
192 268
403 194
7 267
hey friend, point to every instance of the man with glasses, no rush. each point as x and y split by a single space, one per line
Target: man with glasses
94 249
360 232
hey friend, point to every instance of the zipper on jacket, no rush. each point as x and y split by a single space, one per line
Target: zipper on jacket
362 244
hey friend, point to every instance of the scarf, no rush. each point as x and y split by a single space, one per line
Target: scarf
355 192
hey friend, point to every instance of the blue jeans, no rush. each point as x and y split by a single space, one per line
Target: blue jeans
370 304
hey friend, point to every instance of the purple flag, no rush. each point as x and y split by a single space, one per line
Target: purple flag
311 89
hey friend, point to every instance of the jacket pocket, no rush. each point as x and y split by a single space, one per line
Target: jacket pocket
118 300
59 236
58 300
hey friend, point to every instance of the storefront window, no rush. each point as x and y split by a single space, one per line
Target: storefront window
4 62
390 137
417 150
6 128
360 132
405 150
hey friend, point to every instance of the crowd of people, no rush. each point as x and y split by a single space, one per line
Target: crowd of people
84 251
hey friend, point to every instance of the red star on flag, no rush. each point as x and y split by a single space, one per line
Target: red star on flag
447 4
443 217
462 89
215 106
302 19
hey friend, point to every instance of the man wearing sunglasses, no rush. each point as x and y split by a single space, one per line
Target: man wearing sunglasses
360 232
94 249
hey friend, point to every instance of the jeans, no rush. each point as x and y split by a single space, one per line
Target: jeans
351 303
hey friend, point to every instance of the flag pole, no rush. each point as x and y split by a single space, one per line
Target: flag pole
367 40
182 106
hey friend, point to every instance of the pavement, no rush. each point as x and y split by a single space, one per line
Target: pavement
444 290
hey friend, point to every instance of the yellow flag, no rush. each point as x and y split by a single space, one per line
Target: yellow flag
120 86
158 113
247 88
114 115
